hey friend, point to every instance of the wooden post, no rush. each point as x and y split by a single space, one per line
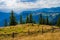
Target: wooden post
28 32
13 35
42 30
52 29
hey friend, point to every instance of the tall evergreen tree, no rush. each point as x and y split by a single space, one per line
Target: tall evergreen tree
34 21
5 23
27 19
58 21
40 19
12 19
30 18
43 21
47 20
21 21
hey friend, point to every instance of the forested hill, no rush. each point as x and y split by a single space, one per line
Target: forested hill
53 13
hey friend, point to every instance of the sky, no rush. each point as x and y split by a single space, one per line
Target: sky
19 5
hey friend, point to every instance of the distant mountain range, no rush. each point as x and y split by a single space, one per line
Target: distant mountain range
51 12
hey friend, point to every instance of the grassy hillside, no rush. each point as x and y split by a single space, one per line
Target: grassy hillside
30 32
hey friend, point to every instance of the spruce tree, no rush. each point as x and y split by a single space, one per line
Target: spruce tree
30 18
43 21
12 19
21 21
47 20
40 19
5 23
34 21
27 19
58 21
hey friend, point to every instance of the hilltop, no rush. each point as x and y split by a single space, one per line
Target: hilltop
30 32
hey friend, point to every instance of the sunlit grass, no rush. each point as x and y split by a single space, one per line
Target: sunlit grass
24 28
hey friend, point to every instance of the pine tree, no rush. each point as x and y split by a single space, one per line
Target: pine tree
58 21
43 21
50 23
30 19
21 21
34 22
40 19
12 19
5 23
47 20
27 19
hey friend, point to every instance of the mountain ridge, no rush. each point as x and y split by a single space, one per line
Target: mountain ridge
54 11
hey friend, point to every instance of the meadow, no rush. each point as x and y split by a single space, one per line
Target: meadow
30 32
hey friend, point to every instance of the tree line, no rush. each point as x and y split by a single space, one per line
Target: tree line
29 19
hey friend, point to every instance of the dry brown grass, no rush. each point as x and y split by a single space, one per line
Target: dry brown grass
22 31
46 36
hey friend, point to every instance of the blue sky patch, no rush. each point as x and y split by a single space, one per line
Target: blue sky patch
28 0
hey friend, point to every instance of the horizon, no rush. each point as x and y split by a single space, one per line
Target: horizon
29 6
29 19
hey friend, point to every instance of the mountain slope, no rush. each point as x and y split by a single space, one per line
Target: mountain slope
53 13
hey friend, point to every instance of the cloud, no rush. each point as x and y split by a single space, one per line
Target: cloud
26 5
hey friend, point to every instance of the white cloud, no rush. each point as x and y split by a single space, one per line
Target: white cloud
18 5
